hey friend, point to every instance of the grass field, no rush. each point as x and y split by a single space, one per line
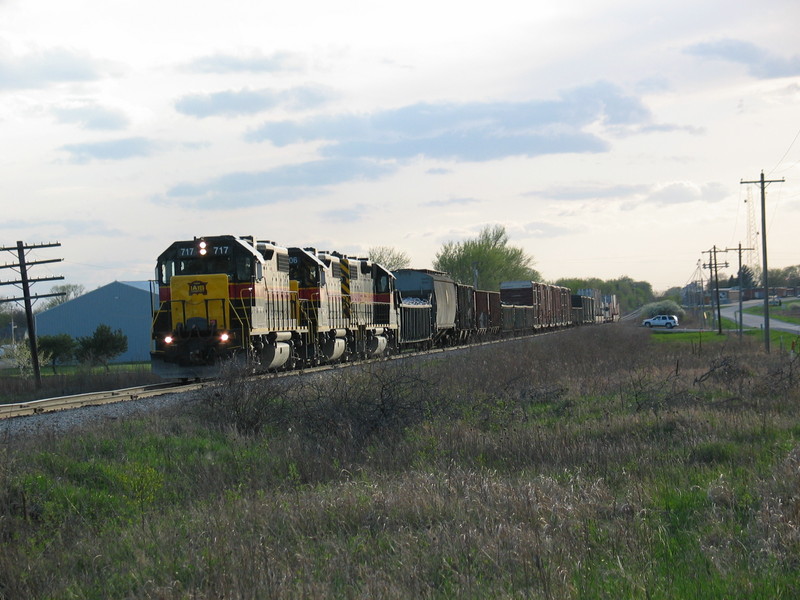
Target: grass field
597 463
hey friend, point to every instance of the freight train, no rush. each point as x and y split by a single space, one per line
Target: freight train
277 308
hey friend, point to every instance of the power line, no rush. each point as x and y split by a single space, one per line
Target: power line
764 183
785 153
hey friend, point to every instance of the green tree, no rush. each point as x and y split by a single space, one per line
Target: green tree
748 279
490 255
674 293
60 348
102 346
389 258
630 294
784 277
577 283
70 291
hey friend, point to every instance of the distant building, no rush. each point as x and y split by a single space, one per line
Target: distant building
124 305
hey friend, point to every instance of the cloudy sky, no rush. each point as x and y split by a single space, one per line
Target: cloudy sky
609 138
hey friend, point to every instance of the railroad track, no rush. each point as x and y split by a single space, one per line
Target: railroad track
49 405
46 405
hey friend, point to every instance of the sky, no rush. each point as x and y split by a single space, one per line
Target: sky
609 138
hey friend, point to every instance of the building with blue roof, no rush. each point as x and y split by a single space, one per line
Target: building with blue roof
123 305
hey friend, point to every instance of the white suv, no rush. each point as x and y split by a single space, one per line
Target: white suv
668 321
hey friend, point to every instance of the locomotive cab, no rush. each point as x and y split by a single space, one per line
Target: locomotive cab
320 304
196 323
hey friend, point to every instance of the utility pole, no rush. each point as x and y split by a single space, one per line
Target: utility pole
713 266
25 281
740 250
764 183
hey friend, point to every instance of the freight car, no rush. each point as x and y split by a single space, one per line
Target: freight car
583 310
226 298
606 305
551 304
436 290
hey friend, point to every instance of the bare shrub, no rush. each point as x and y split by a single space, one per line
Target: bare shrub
347 405
354 405
777 523
246 403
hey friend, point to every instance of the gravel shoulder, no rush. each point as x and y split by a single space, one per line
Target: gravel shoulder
63 421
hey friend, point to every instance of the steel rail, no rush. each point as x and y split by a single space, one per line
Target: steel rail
46 405
59 403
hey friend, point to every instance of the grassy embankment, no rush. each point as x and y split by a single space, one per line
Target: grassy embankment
781 340
72 379
788 311
594 463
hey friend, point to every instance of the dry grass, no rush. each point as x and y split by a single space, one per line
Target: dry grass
587 464
78 380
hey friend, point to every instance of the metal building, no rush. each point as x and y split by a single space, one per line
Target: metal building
124 305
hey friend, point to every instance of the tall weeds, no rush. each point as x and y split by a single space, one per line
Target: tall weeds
591 463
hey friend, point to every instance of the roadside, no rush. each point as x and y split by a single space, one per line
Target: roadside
731 311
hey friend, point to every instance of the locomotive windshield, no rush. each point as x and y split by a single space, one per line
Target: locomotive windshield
206 258
382 283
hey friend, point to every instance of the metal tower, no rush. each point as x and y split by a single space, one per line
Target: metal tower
751 255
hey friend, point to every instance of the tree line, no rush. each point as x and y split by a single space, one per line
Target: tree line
100 348
488 259
780 277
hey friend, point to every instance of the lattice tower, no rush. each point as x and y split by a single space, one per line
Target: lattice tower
750 257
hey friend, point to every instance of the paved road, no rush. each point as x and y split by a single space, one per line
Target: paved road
731 311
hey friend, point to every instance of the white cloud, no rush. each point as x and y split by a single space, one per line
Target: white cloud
254 62
114 150
361 124
249 102
48 67
89 115
759 62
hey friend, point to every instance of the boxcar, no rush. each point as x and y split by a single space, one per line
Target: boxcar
487 311
465 311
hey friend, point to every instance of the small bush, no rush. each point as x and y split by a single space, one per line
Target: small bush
663 307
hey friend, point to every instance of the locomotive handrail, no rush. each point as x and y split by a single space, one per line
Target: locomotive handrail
246 320
234 311
156 313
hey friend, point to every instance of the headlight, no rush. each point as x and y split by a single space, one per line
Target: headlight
224 337
168 339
